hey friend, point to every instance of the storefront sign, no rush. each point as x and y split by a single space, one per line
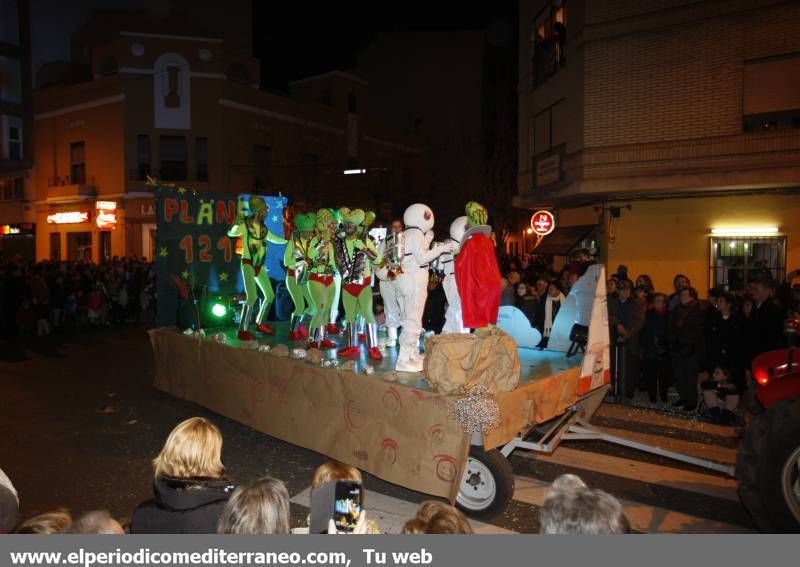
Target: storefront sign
7 229
147 210
72 217
106 220
543 223
548 170
106 205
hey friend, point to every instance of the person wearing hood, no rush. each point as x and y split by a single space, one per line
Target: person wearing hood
190 487
546 316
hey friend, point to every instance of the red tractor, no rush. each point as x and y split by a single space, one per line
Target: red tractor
768 465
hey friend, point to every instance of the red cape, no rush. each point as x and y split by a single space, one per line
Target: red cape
478 280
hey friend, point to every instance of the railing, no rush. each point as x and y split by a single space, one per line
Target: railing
66 180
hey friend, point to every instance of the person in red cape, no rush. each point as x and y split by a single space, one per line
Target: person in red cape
477 271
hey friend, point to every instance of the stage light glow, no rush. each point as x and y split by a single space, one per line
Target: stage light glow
745 231
219 310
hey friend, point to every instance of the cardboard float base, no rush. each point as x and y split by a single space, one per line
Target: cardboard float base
398 431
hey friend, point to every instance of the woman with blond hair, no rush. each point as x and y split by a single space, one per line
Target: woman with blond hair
437 518
189 483
261 507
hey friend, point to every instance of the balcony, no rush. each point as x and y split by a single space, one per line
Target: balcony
64 187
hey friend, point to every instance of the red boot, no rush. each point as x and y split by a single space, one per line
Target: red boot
303 331
348 351
245 335
333 328
296 336
325 343
265 329
313 344
362 338
374 353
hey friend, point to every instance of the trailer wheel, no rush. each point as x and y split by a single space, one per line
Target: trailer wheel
768 468
487 484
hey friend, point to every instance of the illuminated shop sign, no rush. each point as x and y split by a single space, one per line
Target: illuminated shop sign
543 223
71 217
106 205
7 229
106 220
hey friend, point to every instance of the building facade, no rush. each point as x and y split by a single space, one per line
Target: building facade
186 109
16 213
666 131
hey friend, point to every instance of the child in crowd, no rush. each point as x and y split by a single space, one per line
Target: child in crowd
721 396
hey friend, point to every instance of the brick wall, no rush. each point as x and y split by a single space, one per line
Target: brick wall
678 82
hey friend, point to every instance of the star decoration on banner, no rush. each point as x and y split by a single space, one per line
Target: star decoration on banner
223 276
163 252
274 218
185 274
181 190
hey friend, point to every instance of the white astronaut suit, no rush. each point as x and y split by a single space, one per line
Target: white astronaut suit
453 322
412 285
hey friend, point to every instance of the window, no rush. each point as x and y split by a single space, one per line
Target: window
172 98
736 261
12 189
77 160
142 157
14 143
201 157
548 41
173 158
262 166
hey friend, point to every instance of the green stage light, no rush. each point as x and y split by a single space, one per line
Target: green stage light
219 310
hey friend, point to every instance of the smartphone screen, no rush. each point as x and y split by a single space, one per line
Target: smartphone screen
347 505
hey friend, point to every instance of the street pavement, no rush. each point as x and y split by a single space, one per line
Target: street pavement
81 424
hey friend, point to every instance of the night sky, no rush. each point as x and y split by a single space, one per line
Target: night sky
292 39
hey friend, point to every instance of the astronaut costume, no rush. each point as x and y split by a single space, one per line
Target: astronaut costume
412 284
453 320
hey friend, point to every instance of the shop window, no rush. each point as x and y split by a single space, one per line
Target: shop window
142 157
14 142
735 262
77 159
262 166
173 158
201 157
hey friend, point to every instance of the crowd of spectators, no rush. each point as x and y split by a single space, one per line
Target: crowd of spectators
193 494
39 299
664 341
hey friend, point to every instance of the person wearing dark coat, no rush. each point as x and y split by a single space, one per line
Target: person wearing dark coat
182 506
190 487
724 345
654 344
686 346
527 302
629 325
764 329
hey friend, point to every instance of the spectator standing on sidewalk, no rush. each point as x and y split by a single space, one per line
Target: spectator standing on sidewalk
686 347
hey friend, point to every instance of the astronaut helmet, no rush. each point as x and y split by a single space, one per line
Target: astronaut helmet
419 216
458 227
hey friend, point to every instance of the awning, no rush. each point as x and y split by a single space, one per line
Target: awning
564 239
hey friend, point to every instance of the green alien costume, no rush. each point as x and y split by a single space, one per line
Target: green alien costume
321 287
297 262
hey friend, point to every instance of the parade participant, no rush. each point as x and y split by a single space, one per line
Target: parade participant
296 260
412 284
255 236
321 277
393 250
354 257
477 272
453 320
